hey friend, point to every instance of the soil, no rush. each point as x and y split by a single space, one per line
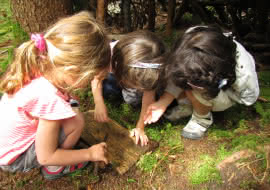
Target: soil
171 174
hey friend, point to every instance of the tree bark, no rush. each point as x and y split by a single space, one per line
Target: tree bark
181 11
100 13
36 16
171 9
200 10
262 7
151 15
126 15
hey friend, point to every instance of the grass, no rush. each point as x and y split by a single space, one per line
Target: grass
147 162
204 171
11 35
262 108
249 141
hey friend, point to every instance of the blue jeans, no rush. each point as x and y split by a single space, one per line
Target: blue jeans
110 88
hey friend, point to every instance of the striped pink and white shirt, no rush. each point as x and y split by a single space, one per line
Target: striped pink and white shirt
18 126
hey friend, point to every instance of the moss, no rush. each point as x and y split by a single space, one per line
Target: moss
250 141
264 81
263 110
11 35
218 134
147 162
205 171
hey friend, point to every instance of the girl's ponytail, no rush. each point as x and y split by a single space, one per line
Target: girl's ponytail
76 47
25 67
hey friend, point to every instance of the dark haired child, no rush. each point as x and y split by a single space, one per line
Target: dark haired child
211 72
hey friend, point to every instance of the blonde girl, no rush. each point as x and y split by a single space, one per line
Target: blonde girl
38 125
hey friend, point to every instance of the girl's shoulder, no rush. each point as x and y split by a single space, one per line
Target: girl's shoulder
40 86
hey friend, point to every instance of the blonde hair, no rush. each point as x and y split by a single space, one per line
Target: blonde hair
77 46
135 48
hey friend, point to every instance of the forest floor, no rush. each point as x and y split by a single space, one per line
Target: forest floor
235 153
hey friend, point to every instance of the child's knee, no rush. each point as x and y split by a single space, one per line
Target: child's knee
199 104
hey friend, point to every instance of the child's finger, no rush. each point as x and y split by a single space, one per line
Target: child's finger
148 118
105 160
143 141
103 144
105 118
137 138
132 133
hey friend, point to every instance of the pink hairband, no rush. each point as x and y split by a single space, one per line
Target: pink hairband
40 42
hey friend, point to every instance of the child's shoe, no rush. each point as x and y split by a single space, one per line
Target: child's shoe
183 109
197 126
61 171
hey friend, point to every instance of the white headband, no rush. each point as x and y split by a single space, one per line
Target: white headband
194 27
145 65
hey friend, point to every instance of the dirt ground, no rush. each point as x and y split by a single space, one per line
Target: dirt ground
170 174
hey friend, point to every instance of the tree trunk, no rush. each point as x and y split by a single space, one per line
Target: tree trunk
151 15
36 16
100 13
262 7
171 9
126 15
181 11
200 10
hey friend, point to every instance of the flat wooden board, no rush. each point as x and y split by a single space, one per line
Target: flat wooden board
123 153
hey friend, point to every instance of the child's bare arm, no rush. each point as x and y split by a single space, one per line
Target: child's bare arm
156 110
138 132
101 114
48 152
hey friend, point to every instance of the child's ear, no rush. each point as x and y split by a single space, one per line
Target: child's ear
197 88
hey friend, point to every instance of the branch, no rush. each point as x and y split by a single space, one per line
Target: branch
266 172
162 159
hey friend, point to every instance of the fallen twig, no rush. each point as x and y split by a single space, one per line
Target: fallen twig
262 99
266 172
162 159
253 174
2 52
245 164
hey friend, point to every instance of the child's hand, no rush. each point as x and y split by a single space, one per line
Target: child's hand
101 114
154 112
139 136
97 152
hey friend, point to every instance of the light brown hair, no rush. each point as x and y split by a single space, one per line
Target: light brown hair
76 46
135 47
